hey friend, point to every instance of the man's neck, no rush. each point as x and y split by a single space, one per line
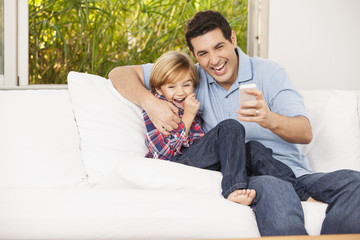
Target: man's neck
228 85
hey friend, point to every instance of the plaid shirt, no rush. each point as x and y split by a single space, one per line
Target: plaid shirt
166 147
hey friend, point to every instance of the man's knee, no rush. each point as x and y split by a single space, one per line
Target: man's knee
270 185
345 178
232 126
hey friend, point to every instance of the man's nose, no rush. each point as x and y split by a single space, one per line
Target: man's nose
213 58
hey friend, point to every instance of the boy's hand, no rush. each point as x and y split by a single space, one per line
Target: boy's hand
191 108
191 105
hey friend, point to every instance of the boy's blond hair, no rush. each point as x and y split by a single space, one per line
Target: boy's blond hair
170 67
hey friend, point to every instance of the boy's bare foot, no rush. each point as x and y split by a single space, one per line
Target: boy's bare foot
242 196
310 199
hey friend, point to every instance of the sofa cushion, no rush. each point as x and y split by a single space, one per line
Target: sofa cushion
147 173
336 132
111 128
121 214
39 141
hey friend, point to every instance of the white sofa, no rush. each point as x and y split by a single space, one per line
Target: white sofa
72 166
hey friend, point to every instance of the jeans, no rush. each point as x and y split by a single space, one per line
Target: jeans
277 205
224 149
341 191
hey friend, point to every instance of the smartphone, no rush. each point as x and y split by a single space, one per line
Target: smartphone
245 96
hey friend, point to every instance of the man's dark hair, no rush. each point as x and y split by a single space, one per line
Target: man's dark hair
204 22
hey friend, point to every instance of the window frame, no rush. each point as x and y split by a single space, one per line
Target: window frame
16 48
258 28
16 42
9 78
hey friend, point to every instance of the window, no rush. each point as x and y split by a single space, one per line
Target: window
1 42
8 37
45 39
15 47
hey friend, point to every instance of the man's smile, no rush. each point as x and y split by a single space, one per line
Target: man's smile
220 69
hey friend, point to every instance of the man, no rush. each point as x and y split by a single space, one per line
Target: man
277 118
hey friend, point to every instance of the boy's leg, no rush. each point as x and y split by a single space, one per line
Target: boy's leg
341 191
261 162
221 149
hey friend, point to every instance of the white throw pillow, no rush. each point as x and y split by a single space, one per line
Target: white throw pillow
148 173
336 133
111 128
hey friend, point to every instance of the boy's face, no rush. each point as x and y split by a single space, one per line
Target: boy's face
177 92
217 56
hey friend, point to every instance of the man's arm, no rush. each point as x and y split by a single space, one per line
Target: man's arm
129 82
291 129
164 147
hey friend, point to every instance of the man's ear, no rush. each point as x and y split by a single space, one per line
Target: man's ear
192 54
233 39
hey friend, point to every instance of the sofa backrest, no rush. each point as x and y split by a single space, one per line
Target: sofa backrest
40 144
39 141
334 115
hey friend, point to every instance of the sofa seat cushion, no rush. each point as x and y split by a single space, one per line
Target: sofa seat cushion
121 214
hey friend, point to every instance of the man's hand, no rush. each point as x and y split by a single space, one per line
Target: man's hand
256 110
164 115
291 129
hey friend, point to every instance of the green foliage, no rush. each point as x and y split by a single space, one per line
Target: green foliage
95 36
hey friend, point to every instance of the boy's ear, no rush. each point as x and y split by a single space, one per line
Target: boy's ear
158 90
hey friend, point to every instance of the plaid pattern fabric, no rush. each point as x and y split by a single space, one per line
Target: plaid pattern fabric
166 147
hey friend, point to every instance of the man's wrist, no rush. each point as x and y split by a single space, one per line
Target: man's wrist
273 122
147 100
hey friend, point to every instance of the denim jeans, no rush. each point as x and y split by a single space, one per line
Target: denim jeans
224 149
277 205
341 191
278 209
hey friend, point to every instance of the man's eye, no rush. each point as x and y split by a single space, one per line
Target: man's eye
221 46
201 54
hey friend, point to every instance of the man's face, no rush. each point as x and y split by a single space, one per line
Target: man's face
217 56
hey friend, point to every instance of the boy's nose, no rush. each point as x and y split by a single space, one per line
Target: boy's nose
180 91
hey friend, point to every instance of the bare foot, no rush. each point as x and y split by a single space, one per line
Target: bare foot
310 199
242 196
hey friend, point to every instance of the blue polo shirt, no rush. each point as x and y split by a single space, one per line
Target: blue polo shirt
218 104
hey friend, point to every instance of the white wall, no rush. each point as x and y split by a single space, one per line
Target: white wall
317 41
